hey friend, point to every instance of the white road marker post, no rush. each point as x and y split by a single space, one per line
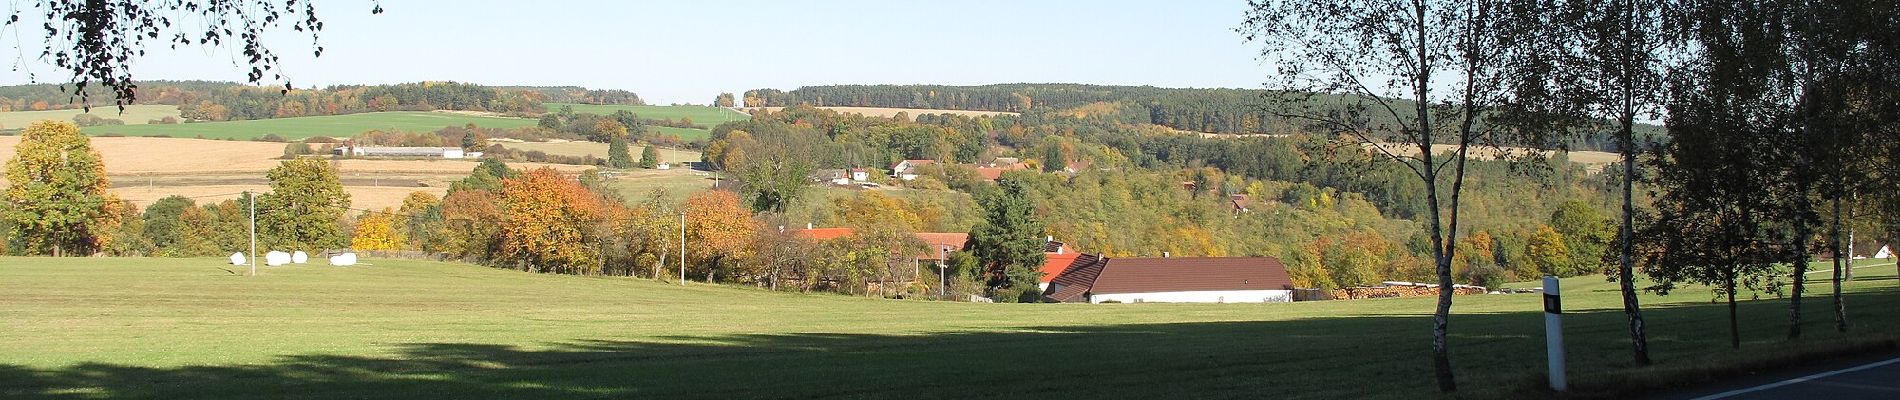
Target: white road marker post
1554 333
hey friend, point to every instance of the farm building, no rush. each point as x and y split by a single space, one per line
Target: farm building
1094 279
907 169
1057 258
383 151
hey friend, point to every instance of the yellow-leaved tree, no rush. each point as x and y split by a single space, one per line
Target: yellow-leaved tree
56 198
376 231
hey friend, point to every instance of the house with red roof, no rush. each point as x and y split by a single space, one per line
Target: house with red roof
1091 279
1056 258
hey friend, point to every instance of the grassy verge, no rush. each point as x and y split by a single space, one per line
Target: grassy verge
168 328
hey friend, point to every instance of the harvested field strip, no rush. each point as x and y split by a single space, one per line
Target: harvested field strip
886 112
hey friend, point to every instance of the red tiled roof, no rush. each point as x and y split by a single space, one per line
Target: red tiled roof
937 241
1180 274
1055 264
940 241
825 233
1073 284
1088 276
992 173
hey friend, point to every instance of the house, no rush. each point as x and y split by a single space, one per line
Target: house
836 176
389 151
1056 258
1094 279
860 175
1240 204
996 170
907 169
1074 167
940 244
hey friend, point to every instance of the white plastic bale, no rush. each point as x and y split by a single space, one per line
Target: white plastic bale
299 257
237 258
276 258
343 260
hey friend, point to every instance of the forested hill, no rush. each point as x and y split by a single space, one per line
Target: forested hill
227 101
1202 110
1215 110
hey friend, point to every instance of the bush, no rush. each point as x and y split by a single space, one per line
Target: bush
273 138
293 150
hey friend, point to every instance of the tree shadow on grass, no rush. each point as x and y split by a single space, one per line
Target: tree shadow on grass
1386 356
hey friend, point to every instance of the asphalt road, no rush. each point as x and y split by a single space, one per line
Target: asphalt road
1875 379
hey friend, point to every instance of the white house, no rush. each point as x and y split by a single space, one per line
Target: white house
860 175
907 169
1173 280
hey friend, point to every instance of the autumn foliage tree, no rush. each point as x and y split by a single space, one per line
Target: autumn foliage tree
546 223
376 231
56 195
717 228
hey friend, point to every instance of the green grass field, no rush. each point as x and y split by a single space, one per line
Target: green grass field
134 115
190 328
705 116
304 127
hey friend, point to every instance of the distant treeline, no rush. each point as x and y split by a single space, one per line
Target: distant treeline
223 101
1227 111
1203 110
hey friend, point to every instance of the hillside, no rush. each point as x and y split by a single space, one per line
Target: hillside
133 115
189 328
146 169
337 126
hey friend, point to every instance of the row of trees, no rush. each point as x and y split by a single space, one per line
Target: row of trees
58 204
223 101
1756 95
1238 111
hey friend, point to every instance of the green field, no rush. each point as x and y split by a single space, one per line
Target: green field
134 115
597 149
304 127
190 328
705 116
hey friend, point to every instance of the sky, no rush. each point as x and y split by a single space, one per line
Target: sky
690 51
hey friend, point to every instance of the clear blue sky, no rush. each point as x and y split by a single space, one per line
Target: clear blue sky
672 52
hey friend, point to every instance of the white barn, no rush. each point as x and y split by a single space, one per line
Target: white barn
384 151
1173 280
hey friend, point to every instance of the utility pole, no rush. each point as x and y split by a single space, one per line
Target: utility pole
253 206
682 248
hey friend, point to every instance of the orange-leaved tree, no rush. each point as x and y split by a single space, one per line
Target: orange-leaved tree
548 223
717 228
471 220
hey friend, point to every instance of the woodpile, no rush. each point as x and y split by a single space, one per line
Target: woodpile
1400 289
